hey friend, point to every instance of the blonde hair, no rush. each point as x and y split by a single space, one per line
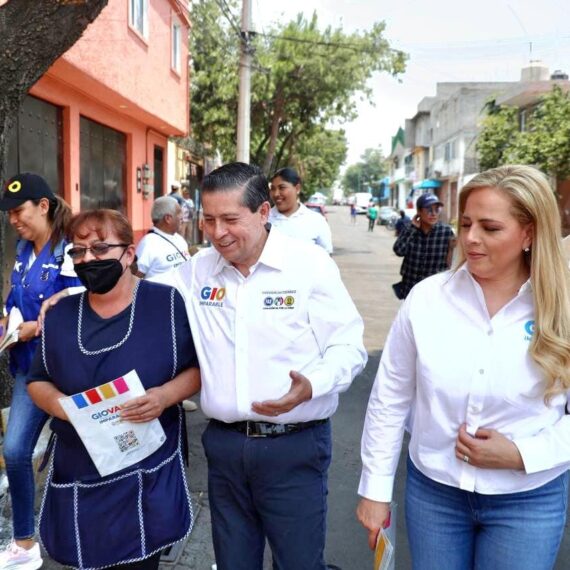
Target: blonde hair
533 202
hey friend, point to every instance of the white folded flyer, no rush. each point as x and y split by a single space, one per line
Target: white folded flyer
15 319
112 443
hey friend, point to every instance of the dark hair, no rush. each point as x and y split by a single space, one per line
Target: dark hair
59 214
238 175
402 213
100 221
288 174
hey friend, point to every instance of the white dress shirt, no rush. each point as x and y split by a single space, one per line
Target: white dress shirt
291 313
158 252
457 365
304 224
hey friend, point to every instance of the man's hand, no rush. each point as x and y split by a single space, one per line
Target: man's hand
27 331
144 408
372 515
300 391
416 221
46 306
488 449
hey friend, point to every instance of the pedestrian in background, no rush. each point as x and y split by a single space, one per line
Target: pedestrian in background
42 268
401 223
426 244
353 214
483 353
293 218
372 216
278 338
162 248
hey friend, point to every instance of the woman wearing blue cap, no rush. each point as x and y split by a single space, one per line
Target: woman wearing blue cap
41 269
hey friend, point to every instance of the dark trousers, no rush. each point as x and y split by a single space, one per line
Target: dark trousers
371 223
272 488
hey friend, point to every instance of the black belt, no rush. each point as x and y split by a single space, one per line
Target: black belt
266 429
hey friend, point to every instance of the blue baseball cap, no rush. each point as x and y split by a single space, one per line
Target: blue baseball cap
427 200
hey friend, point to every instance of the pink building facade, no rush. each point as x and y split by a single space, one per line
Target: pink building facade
97 123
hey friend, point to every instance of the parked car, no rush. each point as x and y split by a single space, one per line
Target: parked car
362 201
319 208
387 215
318 199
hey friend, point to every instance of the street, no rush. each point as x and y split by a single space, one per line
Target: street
369 268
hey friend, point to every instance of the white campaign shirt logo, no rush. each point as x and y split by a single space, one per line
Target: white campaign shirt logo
278 299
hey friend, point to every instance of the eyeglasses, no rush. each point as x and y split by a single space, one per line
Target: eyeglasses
97 249
433 209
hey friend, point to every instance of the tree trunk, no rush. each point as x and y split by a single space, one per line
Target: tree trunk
33 35
274 131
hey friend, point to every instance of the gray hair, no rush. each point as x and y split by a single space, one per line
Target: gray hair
163 206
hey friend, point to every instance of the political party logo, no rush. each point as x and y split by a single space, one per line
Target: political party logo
529 330
278 300
212 296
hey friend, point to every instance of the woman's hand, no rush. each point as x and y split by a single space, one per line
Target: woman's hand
27 331
47 305
489 449
144 408
372 515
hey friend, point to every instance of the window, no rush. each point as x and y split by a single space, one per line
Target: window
102 160
138 16
176 37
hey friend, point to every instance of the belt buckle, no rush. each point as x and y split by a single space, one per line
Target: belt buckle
250 430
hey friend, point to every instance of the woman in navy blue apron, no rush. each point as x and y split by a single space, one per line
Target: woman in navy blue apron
123 519
39 217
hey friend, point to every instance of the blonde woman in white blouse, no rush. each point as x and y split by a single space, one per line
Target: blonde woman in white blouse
484 353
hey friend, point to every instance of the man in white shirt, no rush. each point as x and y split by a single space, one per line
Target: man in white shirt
278 338
162 248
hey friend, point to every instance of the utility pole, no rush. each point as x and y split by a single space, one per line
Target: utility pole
244 102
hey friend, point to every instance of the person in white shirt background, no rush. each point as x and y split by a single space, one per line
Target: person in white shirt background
292 217
483 352
162 248
278 338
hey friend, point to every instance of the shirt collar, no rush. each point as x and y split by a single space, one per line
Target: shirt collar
298 212
462 273
271 256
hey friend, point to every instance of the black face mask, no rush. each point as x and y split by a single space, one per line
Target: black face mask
101 275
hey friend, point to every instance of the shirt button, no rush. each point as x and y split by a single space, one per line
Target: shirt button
481 371
490 332
474 409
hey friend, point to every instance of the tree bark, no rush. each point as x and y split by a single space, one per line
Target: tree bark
274 130
33 34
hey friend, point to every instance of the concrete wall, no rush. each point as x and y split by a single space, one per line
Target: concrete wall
112 61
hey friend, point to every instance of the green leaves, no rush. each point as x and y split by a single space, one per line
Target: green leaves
544 142
304 80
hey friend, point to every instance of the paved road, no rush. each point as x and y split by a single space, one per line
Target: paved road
368 268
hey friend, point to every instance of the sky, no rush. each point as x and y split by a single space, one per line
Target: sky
447 40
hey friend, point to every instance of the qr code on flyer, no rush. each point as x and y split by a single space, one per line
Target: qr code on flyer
127 440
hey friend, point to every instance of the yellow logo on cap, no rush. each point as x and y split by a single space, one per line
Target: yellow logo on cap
16 186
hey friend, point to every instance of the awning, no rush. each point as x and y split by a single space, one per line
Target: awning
428 183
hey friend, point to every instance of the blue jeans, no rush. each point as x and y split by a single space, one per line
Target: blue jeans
24 427
460 530
268 487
